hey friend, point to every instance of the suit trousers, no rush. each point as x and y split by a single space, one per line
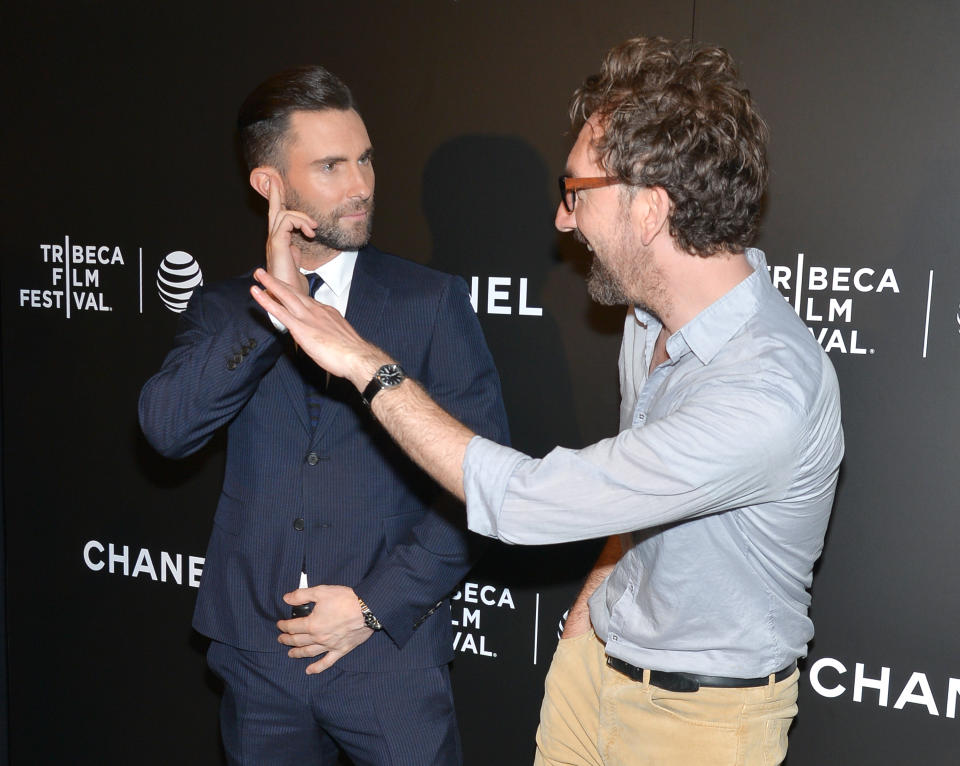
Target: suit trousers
593 715
272 712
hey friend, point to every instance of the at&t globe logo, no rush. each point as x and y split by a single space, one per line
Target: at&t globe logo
178 276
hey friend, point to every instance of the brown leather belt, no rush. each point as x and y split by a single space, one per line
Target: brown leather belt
691 682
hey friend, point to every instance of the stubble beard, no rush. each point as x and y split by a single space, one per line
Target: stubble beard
330 234
638 283
604 286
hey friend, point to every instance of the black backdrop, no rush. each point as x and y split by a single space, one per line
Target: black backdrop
118 140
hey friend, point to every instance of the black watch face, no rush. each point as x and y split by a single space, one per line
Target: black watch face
390 375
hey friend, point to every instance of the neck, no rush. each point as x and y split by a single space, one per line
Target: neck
313 261
694 282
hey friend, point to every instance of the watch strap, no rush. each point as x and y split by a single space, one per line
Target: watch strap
373 388
368 617
388 376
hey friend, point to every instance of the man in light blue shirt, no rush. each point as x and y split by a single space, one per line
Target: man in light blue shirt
716 493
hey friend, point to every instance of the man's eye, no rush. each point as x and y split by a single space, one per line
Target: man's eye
327 167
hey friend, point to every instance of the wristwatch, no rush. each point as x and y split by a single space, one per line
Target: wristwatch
368 619
388 376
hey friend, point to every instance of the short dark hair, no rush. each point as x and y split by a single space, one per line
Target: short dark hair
265 115
675 115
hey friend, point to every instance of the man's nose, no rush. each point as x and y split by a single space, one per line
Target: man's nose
361 182
565 220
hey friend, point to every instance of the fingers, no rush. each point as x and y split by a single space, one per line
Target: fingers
288 307
295 625
270 305
300 596
285 221
283 257
276 212
300 639
281 290
279 299
278 295
307 651
281 220
328 659
274 206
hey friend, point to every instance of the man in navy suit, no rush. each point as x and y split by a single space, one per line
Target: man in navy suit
331 557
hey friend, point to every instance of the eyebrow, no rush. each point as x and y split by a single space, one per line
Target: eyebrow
334 159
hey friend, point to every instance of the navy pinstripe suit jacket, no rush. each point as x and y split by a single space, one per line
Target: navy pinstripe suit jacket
371 519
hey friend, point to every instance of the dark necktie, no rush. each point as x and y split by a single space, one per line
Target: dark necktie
315 377
313 283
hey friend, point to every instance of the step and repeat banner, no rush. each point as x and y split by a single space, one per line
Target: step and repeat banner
122 166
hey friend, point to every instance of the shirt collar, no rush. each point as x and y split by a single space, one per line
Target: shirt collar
337 273
709 330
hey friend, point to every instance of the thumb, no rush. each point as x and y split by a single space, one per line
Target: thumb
298 596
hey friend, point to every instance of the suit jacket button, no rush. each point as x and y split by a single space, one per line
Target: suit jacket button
298 525
313 458
231 365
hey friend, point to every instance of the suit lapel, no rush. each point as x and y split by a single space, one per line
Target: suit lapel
292 381
285 369
368 297
365 309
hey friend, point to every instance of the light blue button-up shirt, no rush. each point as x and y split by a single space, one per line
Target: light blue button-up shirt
720 484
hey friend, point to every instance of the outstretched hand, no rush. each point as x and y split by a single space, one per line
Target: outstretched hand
435 440
320 331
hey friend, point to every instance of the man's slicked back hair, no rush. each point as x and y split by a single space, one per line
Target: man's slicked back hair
675 115
265 115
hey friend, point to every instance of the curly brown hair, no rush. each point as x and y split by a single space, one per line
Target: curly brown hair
675 115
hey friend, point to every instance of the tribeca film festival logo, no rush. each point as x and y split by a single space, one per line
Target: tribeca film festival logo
74 272
74 278
824 299
830 678
467 607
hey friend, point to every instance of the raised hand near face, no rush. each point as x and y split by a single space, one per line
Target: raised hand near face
283 257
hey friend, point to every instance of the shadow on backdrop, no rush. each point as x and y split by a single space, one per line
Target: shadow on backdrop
486 200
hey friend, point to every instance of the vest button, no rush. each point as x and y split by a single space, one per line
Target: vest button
298 525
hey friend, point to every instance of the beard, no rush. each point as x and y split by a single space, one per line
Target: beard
331 234
636 281
604 286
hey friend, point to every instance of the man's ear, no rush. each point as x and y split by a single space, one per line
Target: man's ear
651 212
262 178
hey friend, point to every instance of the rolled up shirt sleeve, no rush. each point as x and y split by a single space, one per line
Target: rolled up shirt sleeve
734 446
487 468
